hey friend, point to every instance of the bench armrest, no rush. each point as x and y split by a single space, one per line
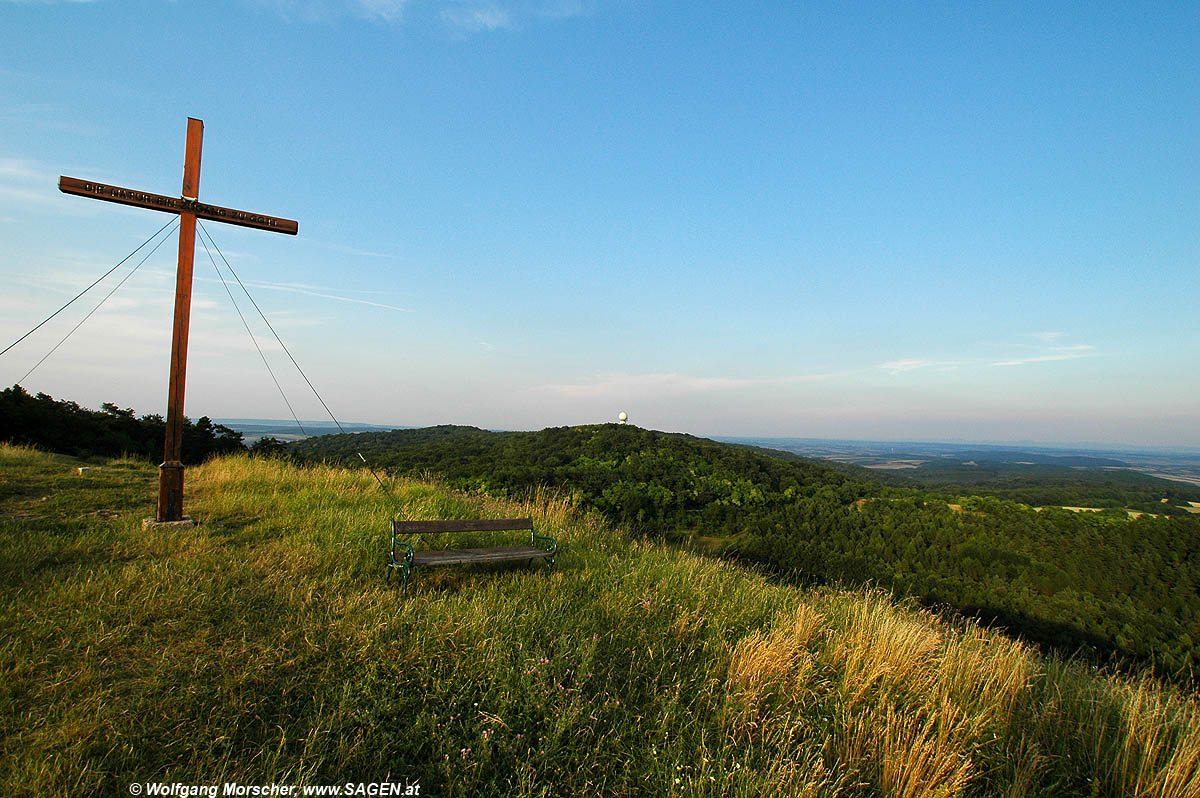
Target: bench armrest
408 554
551 545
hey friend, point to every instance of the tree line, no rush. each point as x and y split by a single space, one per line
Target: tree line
63 426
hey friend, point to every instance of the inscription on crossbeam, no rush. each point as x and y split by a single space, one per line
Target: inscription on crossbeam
159 202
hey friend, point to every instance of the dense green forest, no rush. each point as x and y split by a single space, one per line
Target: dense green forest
65 427
1045 484
1098 582
1050 481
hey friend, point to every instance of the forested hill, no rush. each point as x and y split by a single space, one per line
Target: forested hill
652 481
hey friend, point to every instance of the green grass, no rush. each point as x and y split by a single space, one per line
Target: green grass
264 646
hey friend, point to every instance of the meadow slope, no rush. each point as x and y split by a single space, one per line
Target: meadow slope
265 646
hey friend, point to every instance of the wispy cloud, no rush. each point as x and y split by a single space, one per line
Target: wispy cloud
461 16
384 10
1047 337
657 384
342 248
561 9
1046 350
25 183
474 16
670 384
1058 353
321 11
908 364
316 291
478 18
19 168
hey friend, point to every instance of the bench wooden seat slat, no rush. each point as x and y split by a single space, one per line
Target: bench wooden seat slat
459 556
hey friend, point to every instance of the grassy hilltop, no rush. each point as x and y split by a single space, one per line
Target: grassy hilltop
264 646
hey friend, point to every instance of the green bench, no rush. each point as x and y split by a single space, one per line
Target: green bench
404 556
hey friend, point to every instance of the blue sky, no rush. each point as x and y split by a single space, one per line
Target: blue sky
937 221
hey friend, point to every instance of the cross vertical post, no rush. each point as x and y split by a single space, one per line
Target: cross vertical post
170 472
189 208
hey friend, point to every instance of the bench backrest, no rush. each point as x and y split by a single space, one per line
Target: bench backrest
464 525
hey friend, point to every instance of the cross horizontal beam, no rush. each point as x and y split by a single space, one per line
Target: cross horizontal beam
158 202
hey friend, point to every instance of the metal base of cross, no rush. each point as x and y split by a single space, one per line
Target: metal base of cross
187 522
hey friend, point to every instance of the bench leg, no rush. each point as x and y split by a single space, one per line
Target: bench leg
404 569
549 563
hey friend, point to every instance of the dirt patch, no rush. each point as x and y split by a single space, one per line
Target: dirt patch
1075 509
1175 477
898 465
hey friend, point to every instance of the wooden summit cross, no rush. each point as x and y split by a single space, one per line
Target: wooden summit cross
170 474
